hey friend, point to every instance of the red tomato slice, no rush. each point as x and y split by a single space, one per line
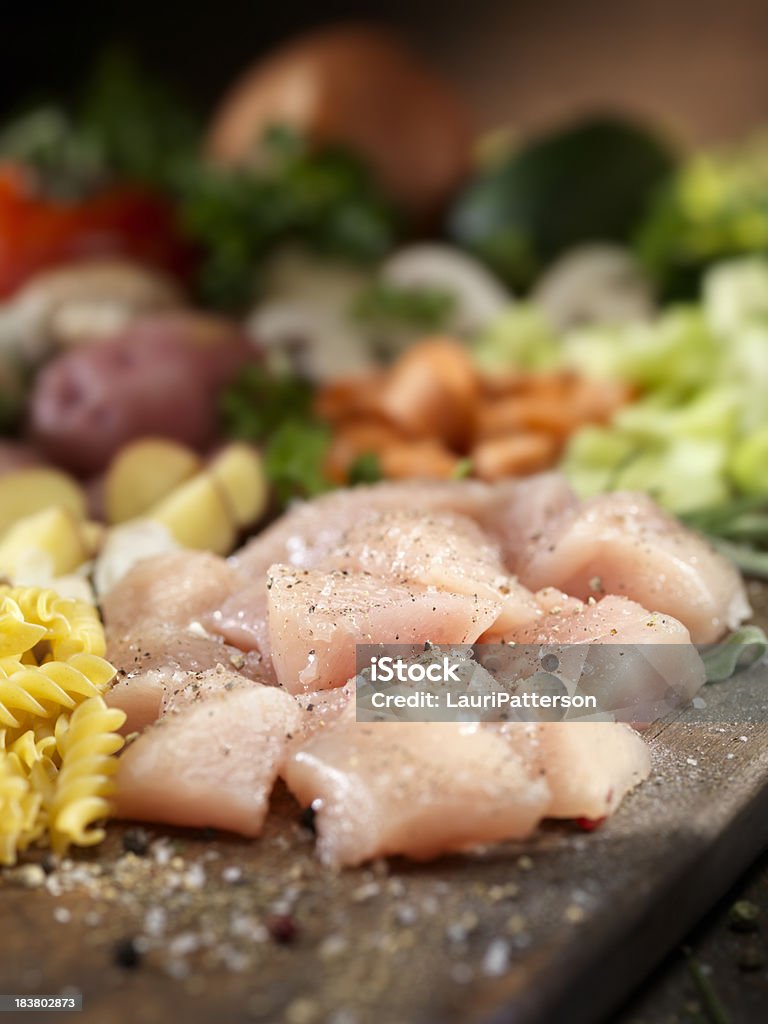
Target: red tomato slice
37 231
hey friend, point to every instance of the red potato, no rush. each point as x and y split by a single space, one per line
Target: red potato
221 345
159 377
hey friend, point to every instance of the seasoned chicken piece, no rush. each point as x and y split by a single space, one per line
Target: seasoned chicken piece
211 762
444 550
316 619
589 766
417 789
148 664
173 590
311 530
623 544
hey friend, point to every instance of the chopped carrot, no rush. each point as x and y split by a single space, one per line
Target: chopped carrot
426 459
432 391
502 385
354 439
523 413
433 406
348 397
515 455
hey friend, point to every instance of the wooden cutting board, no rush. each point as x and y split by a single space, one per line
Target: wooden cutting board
553 930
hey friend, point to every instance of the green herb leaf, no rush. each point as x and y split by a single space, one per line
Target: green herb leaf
257 403
142 130
387 305
294 460
463 469
366 469
324 199
126 125
741 650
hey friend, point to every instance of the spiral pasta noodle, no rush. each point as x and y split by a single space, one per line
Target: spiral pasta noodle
57 736
84 780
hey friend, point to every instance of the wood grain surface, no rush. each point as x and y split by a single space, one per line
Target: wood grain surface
553 930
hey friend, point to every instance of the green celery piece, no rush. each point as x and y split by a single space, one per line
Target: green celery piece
520 339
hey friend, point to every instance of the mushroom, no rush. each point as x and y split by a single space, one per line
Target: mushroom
594 284
478 296
303 324
80 303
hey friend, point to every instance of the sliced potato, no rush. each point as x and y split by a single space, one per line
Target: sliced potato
143 473
52 536
239 471
94 534
198 515
26 491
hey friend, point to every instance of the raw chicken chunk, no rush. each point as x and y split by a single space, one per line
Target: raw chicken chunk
589 766
149 664
444 550
311 530
416 789
242 621
638 665
317 618
624 544
173 590
211 763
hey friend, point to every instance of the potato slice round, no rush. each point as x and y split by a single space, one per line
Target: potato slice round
143 473
239 471
26 491
198 515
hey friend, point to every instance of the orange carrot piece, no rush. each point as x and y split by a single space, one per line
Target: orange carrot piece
432 391
516 455
428 460
524 413
356 438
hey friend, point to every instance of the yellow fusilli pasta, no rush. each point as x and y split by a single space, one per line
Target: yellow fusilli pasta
20 822
72 627
57 736
84 780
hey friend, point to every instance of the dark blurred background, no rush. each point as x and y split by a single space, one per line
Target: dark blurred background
697 65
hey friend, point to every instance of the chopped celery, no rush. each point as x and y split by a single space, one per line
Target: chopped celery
735 295
713 413
687 474
749 463
522 338
698 435
593 457
677 351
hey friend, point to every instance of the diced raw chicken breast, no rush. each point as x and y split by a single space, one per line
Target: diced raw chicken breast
174 590
417 789
211 763
242 621
641 664
317 618
624 544
312 529
520 512
434 549
323 707
140 697
184 689
611 620
148 664
590 766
